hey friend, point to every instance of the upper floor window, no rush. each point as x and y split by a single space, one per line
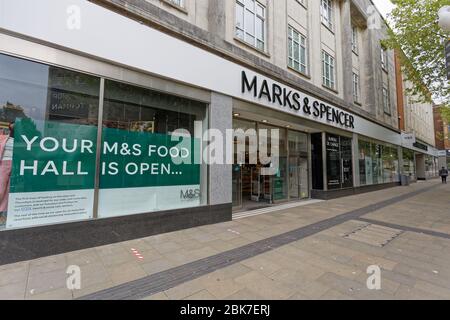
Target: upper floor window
384 59
328 71
355 39
297 51
251 23
356 88
386 103
326 10
179 3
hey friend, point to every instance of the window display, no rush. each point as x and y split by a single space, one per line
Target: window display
143 167
52 115
378 163
49 145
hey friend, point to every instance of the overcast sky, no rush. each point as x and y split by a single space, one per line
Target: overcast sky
384 6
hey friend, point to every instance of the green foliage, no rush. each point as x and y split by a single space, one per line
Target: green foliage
416 33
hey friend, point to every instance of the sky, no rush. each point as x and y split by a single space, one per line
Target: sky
384 6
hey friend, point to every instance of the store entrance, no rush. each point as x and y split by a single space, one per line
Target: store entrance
252 189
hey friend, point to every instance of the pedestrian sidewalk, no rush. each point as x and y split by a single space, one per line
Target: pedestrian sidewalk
318 251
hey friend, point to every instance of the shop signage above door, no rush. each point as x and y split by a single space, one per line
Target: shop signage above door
442 153
408 139
295 101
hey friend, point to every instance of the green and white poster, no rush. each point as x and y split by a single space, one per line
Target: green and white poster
54 168
53 173
146 172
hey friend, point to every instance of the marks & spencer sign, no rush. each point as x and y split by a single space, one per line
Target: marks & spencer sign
296 102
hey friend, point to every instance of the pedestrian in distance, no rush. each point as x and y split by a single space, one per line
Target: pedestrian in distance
444 174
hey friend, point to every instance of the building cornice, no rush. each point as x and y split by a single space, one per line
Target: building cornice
148 14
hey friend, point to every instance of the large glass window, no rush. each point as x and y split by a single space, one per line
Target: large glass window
326 10
139 160
378 163
356 88
386 102
47 167
251 23
149 158
409 164
355 39
390 164
297 51
328 70
298 165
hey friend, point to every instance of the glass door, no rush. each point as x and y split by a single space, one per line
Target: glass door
339 162
237 186
294 178
347 167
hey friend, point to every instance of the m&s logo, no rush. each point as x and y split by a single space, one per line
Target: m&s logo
190 194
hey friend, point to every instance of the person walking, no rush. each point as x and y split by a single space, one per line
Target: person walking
444 174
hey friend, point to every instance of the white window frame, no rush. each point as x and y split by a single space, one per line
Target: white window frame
242 32
328 70
326 13
178 3
356 88
386 102
355 42
302 44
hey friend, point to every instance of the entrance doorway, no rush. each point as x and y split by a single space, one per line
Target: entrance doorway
253 190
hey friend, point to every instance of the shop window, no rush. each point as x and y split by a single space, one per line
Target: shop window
378 163
409 166
48 147
47 167
144 168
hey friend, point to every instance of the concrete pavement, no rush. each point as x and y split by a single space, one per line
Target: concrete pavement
315 251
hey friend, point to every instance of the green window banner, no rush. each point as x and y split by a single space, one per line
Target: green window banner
146 172
53 173
54 168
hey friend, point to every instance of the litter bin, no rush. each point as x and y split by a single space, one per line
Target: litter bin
405 180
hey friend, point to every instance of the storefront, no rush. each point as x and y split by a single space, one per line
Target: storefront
251 188
84 147
109 142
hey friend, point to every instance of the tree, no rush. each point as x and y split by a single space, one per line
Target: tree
416 33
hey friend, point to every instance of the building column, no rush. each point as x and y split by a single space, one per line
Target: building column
220 175
401 171
347 54
355 147
217 17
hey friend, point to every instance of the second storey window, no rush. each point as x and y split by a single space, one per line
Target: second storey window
328 71
384 59
355 39
386 103
251 23
297 51
177 2
356 88
326 10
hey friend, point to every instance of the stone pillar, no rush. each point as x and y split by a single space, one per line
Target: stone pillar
355 147
217 17
347 55
220 175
